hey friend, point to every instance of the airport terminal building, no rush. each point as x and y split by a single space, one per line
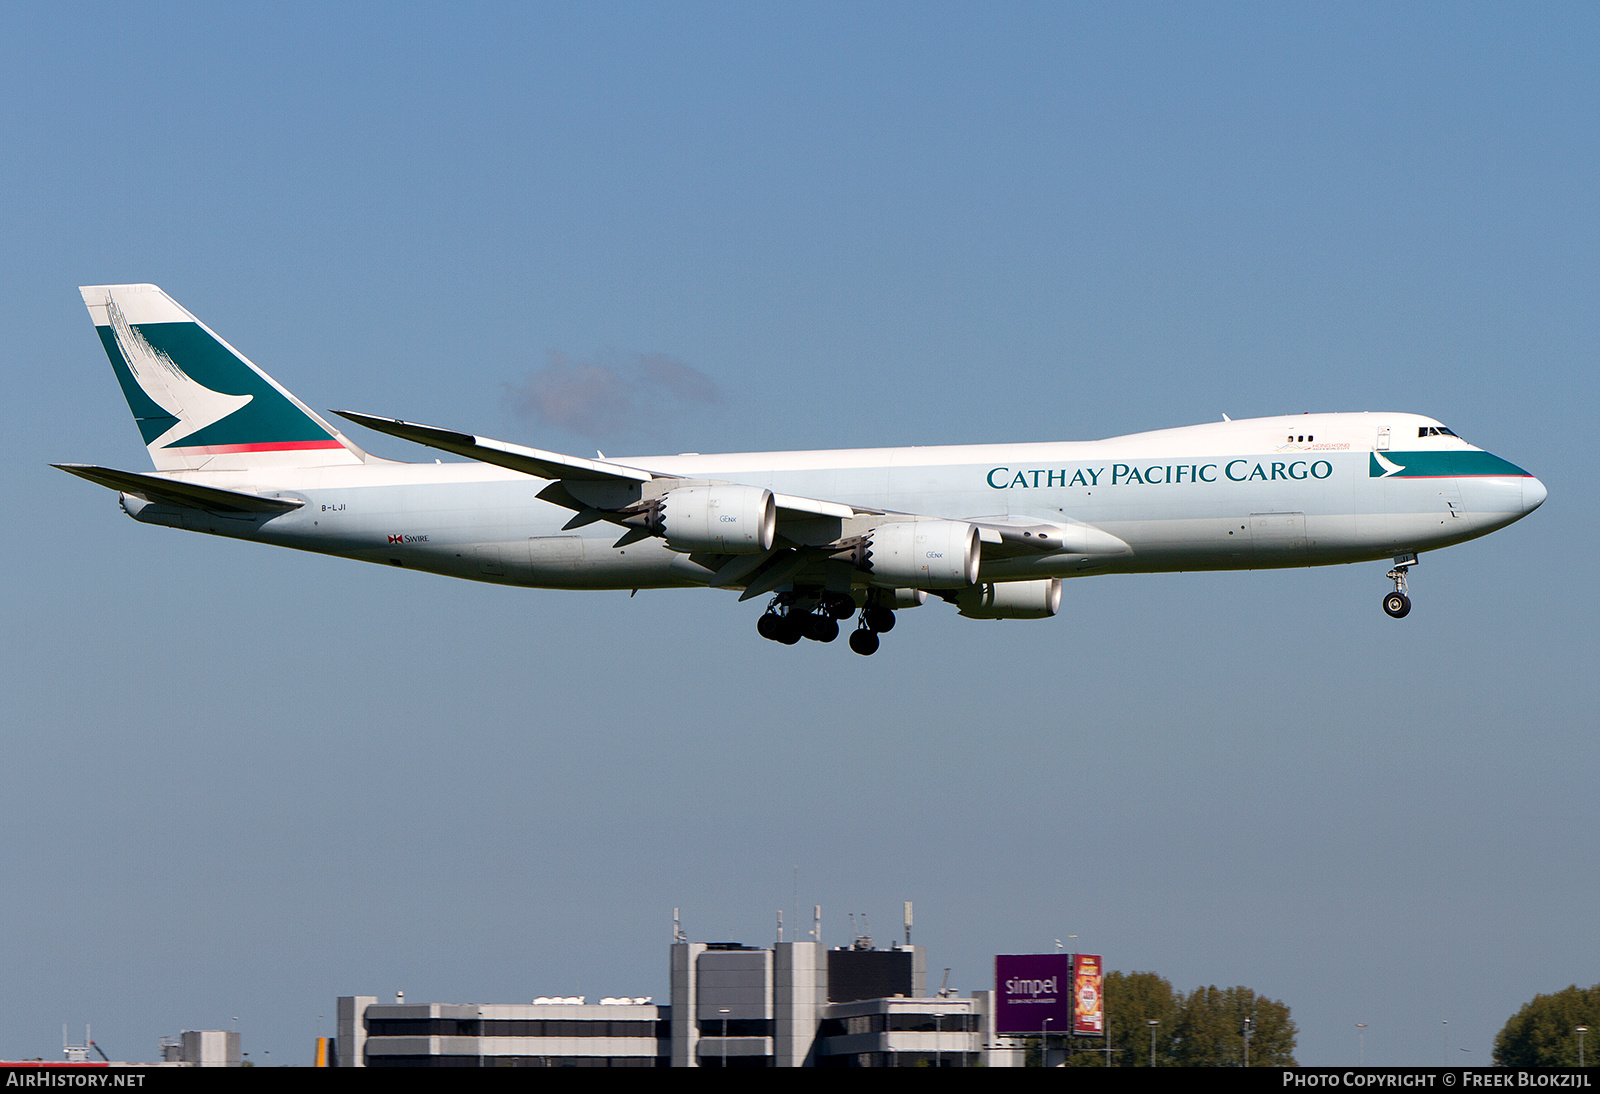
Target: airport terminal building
793 1005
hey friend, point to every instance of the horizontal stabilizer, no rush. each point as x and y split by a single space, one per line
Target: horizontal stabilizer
530 461
158 489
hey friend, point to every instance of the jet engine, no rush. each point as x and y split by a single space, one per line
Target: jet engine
896 599
1011 599
923 554
724 520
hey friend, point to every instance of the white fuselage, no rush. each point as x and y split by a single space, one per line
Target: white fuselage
1227 495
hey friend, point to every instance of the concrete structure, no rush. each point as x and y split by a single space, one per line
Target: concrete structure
902 1032
794 1005
210 1047
565 1034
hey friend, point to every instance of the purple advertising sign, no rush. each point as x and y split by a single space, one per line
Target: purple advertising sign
1033 992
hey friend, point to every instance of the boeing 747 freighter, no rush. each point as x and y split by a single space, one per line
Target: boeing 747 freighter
826 535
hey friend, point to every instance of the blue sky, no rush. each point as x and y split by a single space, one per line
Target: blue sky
239 782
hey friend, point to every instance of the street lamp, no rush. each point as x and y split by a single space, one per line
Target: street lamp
1249 1030
1580 1031
1044 1043
1362 1039
1152 1023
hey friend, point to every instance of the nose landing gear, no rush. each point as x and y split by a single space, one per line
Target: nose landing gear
1397 604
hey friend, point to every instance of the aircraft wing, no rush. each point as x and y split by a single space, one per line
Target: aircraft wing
530 461
174 492
574 469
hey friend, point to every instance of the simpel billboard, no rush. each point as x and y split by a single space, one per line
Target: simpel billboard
1033 992
1049 993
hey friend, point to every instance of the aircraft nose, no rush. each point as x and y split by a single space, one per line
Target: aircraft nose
1533 494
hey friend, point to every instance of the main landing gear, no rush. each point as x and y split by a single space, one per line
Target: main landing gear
793 616
875 620
1397 604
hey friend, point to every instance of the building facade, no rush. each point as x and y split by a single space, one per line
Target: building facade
793 1005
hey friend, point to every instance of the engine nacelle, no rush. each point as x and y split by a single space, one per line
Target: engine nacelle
923 554
724 520
1011 600
897 599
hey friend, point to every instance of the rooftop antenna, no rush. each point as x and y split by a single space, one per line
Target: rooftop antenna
908 923
816 924
79 1053
944 985
780 926
863 936
677 928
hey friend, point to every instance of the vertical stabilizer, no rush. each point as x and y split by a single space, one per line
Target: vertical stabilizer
199 402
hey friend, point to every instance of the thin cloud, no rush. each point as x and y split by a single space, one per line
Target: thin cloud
611 395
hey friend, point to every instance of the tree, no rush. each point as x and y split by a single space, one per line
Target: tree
1211 1027
1543 1033
1202 1029
1132 999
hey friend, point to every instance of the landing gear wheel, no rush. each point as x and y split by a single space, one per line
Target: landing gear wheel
1398 605
820 628
780 623
878 618
864 641
839 606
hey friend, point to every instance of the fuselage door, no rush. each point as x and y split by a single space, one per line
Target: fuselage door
1278 539
489 562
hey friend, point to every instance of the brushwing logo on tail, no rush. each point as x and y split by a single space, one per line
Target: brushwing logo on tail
175 391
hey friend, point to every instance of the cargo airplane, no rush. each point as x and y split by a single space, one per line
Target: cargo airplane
827 535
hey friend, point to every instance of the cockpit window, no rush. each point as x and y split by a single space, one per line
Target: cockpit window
1434 431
